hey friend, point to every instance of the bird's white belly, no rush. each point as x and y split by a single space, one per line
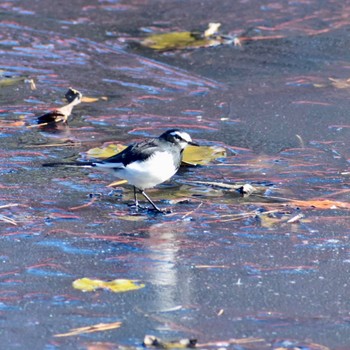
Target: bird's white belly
149 173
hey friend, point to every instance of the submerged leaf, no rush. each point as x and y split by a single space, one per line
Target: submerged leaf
116 286
194 155
175 40
91 329
184 40
11 81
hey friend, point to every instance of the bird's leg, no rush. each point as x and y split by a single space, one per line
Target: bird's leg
137 205
136 201
135 198
150 200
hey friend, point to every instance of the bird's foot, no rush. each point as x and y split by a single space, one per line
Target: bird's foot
137 206
160 211
155 209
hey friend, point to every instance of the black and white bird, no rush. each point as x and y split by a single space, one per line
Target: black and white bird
145 164
61 114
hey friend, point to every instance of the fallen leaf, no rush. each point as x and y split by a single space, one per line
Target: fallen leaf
106 151
117 183
116 286
11 81
175 40
11 124
185 40
194 155
91 329
87 99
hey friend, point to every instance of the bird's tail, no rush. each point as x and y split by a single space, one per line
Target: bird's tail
71 164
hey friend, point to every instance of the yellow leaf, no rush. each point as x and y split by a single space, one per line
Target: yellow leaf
11 81
117 183
173 41
183 40
90 329
87 99
116 286
194 155
105 152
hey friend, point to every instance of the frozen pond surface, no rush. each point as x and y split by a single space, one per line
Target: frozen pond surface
279 105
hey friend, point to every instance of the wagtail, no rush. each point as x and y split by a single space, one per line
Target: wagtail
61 114
145 164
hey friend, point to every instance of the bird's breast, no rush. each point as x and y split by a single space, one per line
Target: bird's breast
148 173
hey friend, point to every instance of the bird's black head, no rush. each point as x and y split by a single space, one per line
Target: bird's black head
72 95
177 137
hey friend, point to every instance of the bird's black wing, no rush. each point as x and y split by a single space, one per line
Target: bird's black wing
137 152
51 117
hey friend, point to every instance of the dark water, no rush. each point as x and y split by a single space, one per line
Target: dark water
207 275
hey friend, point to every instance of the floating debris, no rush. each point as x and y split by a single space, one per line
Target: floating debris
116 286
188 40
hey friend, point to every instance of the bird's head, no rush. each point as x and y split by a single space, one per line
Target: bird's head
178 137
73 95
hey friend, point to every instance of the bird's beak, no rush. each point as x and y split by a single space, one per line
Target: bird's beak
193 144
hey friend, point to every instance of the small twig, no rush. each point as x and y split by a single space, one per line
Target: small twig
93 200
223 343
9 205
8 220
190 212
66 144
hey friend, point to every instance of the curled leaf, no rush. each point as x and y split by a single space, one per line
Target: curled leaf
116 286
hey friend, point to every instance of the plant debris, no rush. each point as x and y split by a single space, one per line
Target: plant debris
116 286
90 329
154 342
187 40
